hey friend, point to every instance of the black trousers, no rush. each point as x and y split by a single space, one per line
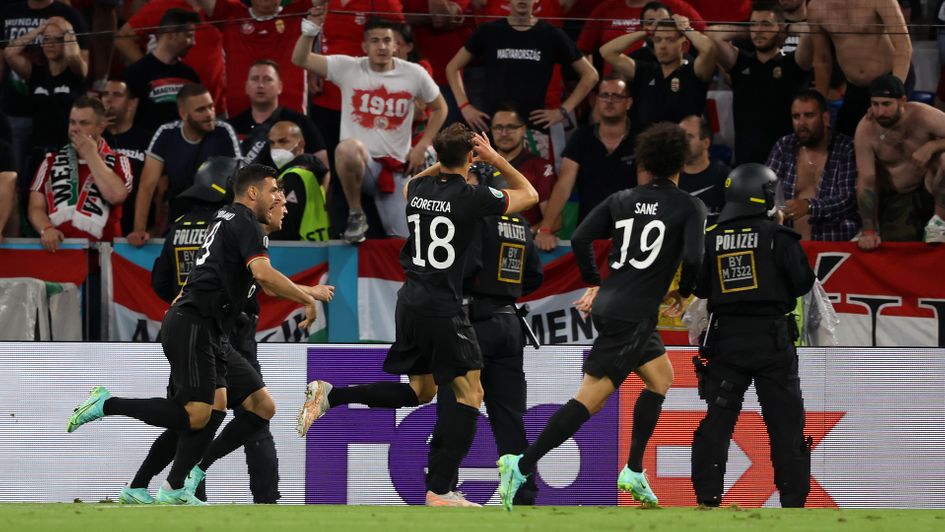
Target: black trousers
503 381
746 350
262 462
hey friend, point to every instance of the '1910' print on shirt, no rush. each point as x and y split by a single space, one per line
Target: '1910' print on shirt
379 109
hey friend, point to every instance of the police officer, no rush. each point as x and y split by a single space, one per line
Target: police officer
502 266
754 270
210 191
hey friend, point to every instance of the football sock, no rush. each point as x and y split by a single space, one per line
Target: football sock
232 437
646 412
562 425
157 411
159 456
376 395
191 448
458 430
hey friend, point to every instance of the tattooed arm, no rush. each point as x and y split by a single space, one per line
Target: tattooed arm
866 186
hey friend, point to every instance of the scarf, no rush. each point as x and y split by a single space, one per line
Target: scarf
74 201
389 166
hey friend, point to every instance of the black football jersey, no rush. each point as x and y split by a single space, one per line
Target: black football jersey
221 282
653 228
443 214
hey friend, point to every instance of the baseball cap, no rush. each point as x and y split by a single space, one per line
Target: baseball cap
887 86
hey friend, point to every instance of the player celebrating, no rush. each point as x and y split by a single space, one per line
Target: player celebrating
435 343
234 255
653 226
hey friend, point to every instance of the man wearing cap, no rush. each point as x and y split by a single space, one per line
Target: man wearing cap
899 154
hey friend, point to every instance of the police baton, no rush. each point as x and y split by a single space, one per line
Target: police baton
521 312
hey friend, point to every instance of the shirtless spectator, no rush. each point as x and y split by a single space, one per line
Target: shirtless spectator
899 154
870 38
816 169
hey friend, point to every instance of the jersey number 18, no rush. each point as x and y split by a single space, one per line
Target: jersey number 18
436 241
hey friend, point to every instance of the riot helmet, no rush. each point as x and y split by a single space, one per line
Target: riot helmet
749 191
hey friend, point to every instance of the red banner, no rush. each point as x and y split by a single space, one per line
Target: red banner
63 266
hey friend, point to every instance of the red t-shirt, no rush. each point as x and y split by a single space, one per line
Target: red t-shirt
437 46
614 18
42 182
247 40
716 11
541 174
343 33
206 57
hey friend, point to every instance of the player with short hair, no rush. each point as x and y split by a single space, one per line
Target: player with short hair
653 227
233 257
435 342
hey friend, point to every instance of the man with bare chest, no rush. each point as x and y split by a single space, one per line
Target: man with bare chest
816 169
870 39
900 153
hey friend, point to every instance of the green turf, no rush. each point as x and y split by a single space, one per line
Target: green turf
113 518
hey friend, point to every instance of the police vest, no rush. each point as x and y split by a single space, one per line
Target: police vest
505 240
186 237
314 225
741 260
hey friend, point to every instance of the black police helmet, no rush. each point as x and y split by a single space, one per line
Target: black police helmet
212 182
749 191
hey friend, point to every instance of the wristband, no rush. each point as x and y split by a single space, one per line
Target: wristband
465 105
544 230
310 29
869 232
48 227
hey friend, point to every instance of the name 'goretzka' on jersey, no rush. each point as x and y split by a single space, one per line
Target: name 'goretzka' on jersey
443 214
221 282
653 227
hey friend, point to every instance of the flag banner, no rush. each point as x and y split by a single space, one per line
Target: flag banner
136 311
890 297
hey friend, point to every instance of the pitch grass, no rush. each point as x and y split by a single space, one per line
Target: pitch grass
236 518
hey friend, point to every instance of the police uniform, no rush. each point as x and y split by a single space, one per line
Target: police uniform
502 266
654 227
753 272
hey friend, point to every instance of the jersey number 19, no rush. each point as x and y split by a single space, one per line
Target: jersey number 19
649 245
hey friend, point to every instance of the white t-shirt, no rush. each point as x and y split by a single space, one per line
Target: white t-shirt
377 107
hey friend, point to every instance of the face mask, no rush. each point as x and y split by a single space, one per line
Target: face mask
281 157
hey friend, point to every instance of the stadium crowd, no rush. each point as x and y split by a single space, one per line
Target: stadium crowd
109 107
